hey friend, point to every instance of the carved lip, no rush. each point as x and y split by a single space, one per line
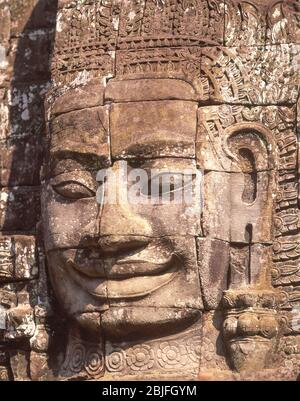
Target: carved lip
136 287
122 270
133 287
127 277
138 264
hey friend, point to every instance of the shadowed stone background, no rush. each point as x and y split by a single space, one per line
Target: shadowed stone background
262 38
27 31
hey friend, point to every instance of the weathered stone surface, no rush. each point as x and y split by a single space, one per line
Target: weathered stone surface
4 46
17 258
289 351
183 63
32 15
251 327
176 287
258 22
84 360
262 76
135 90
152 129
17 206
289 297
4 113
200 20
231 210
19 323
133 286
91 18
163 356
286 254
73 232
83 133
5 23
19 362
39 342
29 56
249 265
268 132
178 216
213 260
39 366
5 373
245 22
20 162
283 22
23 111
212 348
78 98
8 299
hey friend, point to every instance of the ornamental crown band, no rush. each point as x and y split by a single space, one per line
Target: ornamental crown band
89 33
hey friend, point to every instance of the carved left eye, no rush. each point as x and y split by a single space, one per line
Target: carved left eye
73 190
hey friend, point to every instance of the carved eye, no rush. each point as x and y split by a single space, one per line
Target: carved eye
73 190
163 184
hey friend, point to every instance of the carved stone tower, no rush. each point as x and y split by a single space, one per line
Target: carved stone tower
144 289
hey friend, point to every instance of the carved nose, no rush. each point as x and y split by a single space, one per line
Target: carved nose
121 218
112 244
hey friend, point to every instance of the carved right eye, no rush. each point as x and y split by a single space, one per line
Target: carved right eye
163 184
73 190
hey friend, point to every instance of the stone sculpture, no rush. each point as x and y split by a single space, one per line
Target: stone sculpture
208 290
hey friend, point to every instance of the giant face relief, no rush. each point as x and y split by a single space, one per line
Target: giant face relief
124 266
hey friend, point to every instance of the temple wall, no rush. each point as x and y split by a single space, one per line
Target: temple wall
255 81
26 38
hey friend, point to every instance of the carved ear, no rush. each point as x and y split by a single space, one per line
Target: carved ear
249 156
250 150
250 147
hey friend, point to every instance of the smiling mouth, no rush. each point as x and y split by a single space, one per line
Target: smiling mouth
121 278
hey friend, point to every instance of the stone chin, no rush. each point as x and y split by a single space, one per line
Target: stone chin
146 322
120 308
133 322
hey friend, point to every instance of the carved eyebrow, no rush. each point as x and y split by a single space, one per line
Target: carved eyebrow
76 158
74 143
76 154
180 149
75 135
75 148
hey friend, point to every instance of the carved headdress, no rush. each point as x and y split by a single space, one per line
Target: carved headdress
150 38
172 39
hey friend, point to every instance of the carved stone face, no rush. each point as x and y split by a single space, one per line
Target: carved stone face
128 269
